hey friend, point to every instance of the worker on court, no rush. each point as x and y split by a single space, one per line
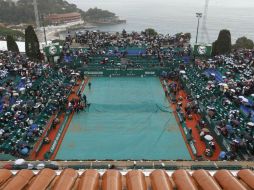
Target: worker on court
89 85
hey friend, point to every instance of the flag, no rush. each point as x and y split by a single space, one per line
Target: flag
202 50
53 50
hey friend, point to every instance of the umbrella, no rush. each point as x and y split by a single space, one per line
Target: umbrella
244 99
229 128
34 126
205 130
37 105
29 134
208 137
24 151
222 155
21 117
22 89
250 124
30 166
40 166
19 162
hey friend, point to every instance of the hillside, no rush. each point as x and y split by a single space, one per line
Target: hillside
22 11
17 35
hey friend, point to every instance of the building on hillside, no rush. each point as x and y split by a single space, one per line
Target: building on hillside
56 19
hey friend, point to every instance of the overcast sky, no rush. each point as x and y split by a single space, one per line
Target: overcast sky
224 3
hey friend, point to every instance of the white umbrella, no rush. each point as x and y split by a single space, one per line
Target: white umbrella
22 89
208 137
244 99
250 124
37 106
30 166
19 162
40 166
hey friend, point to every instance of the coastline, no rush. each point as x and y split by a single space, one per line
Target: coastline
56 32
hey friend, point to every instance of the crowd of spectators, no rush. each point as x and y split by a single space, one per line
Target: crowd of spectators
108 46
223 86
30 92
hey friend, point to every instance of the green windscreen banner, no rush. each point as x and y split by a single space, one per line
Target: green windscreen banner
202 50
53 50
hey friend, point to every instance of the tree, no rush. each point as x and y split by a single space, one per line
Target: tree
187 36
223 44
32 44
124 33
11 44
95 14
244 43
150 32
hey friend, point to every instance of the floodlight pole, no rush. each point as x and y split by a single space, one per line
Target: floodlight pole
44 31
198 15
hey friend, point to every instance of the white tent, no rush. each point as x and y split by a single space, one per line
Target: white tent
21 45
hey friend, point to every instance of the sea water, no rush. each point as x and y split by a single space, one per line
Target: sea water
173 16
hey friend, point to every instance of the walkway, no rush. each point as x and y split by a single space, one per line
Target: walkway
200 145
52 135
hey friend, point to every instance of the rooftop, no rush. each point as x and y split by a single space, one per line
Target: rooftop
131 180
65 15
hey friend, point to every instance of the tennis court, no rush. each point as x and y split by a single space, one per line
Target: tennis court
128 118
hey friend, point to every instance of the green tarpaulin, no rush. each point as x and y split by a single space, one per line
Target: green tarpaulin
128 118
